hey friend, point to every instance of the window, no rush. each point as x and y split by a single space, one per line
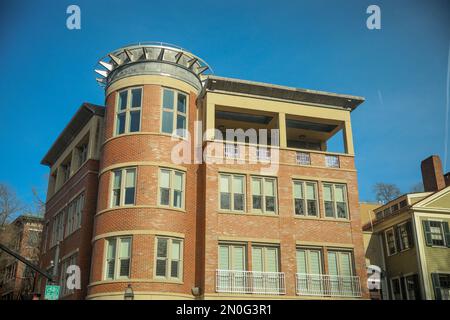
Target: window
128 113
441 285
264 194
436 233
123 187
174 112
265 259
396 289
232 257
412 287
394 208
403 203
390 241
82 154
340 269
118 258
74 210
404 234
303 158
64 276
58 228
309 270
305 198
169 262
10 272
309 261
171 188
232 194
33 238
335 198
340 263
65 171
332 161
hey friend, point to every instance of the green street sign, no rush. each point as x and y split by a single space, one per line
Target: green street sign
51 292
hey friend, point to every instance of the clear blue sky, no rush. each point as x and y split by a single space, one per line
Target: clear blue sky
401 70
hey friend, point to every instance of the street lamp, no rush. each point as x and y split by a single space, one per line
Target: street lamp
129 294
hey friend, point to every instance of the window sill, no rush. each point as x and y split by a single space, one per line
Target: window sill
165 280
249 213
171 208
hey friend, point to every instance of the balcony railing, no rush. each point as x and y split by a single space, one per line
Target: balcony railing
327 285
250 282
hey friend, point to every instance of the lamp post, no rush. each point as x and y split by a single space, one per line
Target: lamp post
129 294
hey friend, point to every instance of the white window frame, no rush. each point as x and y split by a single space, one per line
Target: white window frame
117 260
168 258
174 112
71 260
172 172
231 177
123 178
127 111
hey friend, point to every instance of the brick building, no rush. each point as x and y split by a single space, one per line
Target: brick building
24 236
162 211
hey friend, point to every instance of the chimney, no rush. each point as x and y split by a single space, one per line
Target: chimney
432 174
447 179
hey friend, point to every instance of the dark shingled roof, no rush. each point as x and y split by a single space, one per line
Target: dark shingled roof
283 92
78 121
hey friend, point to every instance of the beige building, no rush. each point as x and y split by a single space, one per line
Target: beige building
409 239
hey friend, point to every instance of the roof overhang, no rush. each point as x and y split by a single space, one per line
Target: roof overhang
237 86
75 125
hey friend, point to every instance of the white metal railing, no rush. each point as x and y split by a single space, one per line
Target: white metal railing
332 161
250 282
263 154
327 285
231 150
303 158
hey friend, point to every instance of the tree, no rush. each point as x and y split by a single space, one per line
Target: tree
418 187
385 192
9 204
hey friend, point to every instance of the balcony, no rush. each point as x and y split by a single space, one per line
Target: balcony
250 282
327 286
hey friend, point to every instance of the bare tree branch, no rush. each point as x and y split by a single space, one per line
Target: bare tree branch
385 192
9 204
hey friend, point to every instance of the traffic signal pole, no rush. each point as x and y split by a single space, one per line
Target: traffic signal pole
27 262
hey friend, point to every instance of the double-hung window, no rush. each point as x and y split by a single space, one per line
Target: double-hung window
305 198
335 200
128 112
390 241
436 233
232 194
404 236
265 267
169 258
174 112
64 275
264 194
118 258
171 188
123 187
